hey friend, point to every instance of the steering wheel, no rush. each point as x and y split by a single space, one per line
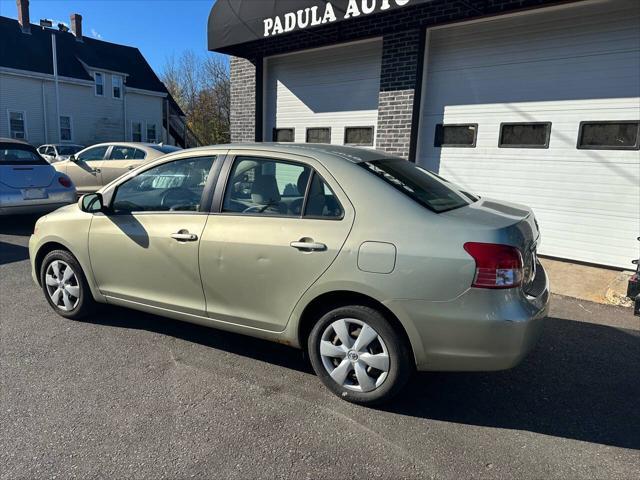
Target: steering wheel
178 197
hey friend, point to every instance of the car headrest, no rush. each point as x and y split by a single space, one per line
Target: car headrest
303 179
265 190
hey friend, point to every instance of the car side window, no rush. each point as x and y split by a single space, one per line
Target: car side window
261 186
175 186
139 154
96 153
123 153
321 201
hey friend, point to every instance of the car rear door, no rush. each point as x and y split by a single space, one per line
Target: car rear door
259 253
121 159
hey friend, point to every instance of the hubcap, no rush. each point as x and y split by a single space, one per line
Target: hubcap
354 355
62 285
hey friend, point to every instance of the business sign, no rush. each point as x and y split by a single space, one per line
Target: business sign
236 22
316 15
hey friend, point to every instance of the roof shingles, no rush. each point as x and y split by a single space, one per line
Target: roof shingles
33 53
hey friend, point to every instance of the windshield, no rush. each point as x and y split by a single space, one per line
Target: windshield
13 154
68 149
165 148
419 184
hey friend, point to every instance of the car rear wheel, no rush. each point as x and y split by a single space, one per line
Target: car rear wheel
359 355
65 285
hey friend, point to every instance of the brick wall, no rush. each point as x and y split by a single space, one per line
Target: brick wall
399 77
243 100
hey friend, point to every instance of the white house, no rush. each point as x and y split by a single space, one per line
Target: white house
58 86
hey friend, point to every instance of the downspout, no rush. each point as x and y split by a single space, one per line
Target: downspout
44 114
55 76
124 109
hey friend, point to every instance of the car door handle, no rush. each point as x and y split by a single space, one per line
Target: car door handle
184 236
309 246
131 167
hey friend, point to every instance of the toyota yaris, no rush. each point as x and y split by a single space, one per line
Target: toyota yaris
372 264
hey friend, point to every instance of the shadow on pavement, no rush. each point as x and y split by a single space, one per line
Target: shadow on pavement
581 382
20 225
10 253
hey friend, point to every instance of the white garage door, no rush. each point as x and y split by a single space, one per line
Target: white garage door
331 88
563 67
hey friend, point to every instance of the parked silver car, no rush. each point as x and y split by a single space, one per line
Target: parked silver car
56 152
372 264
28 184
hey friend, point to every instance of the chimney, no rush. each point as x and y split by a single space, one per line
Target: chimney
23 15
76 25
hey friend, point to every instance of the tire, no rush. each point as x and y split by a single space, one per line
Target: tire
74 299
353 376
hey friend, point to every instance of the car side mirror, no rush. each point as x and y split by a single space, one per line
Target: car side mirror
73 158
91 203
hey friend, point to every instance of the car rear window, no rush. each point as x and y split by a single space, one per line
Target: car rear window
12 154
165 148
429 190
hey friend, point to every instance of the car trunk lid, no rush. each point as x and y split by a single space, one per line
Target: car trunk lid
27 176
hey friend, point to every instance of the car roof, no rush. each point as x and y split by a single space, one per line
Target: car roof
316 150
13 140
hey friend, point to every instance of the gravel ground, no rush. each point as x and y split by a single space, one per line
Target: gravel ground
130 395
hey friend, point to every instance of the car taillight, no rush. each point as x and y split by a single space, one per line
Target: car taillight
497 266
65 182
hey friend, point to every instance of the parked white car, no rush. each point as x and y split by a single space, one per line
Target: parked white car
53 153
28 184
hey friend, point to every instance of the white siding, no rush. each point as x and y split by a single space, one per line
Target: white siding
22 94
145 109
331 87
94 118
563 66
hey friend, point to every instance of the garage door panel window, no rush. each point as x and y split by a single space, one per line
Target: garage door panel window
525 135
358 136
609 135
318 135
284 135
171 187
458 135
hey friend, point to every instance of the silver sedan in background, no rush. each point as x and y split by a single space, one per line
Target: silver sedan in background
28 184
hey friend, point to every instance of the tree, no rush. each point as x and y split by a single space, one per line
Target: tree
201 86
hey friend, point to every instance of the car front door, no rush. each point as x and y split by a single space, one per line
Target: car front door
145 249
85 169
120 160
261 251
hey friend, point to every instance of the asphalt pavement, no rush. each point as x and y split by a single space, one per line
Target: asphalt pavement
131 395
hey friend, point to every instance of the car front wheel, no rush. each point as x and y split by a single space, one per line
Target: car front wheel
65 285
359 355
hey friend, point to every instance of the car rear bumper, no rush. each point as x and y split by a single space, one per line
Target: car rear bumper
481 330
14 204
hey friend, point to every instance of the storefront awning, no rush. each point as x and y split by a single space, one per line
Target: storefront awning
234 22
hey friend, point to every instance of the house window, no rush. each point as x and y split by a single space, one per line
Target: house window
525 135
65 129
459 135
151 133
623 135
18 125
318 135
136 131
359 136
99 78
283 134
116 84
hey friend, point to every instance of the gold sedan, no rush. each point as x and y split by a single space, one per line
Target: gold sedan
98 165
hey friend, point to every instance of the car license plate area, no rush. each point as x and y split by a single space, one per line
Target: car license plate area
34 193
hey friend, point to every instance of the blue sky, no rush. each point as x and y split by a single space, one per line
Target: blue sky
157 27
